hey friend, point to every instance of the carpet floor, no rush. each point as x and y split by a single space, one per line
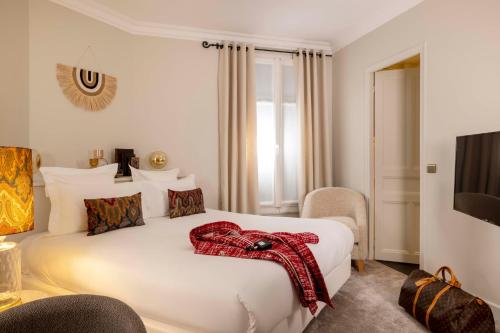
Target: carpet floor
368 302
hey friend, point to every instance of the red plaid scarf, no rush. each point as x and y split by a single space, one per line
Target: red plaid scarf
290 250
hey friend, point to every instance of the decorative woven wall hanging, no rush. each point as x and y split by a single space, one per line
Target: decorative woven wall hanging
90 90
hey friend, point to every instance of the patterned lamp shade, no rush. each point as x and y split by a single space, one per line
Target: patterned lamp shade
16 191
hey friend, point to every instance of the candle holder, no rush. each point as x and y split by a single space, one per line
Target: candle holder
96 158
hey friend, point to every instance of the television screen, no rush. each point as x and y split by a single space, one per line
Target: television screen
477 176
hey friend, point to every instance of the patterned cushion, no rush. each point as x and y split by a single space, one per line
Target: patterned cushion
113 213
183 203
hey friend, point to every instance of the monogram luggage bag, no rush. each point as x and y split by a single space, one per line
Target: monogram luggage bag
442 306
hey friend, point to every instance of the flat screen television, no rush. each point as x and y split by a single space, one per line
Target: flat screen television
477 176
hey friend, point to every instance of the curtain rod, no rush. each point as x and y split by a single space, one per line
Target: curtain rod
219 46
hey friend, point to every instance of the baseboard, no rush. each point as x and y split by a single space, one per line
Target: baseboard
495 308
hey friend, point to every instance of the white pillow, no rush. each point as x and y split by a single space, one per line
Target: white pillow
51 190
168 175
181 184
157 203
69 214
104 174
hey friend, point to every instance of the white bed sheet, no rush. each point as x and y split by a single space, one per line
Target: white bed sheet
154 270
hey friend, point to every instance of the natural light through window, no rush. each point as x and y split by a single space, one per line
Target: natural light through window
266 148
277 134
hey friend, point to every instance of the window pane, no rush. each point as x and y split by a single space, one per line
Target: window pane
290 134
266 150
266 138
290 151
264 82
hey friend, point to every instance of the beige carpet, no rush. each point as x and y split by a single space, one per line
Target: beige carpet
368 302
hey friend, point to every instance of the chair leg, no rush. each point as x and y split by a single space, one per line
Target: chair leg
360 265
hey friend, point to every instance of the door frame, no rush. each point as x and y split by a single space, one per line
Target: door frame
369 143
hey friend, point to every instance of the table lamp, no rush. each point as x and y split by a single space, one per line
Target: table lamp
16 215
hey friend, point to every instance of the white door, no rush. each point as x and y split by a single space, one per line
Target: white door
397 165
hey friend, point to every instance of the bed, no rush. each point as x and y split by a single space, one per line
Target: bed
154 270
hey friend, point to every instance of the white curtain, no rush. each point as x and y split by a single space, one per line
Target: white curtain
314 106
238 130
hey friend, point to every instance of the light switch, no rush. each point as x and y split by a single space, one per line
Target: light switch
431 168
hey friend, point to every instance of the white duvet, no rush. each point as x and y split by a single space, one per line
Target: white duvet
154 270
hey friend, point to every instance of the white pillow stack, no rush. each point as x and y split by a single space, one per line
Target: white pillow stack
164 181
56 176
70 214
159 203
67 188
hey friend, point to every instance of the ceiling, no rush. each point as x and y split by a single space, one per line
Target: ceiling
337 22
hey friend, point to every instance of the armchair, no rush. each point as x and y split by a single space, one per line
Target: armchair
75 313
345 206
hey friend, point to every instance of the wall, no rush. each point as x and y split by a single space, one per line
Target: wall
14 68
14 87
462 97
175 103
166 98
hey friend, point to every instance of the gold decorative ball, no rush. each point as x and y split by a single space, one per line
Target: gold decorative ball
158 159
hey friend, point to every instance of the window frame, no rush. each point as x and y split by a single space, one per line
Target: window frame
278 205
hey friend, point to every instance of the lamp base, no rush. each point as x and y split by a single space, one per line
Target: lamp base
10 275
9 300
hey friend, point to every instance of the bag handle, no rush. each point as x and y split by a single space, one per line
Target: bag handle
453 279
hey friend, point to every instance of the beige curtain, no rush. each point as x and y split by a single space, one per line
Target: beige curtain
238 130
314 106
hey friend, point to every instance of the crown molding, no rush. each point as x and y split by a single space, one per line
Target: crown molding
115 19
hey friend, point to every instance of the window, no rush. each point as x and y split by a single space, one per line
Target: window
277 134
